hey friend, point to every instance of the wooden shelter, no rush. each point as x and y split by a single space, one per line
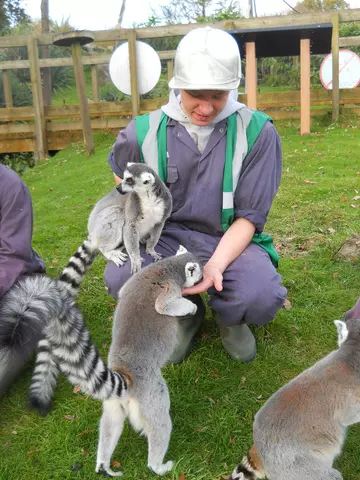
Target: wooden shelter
39 128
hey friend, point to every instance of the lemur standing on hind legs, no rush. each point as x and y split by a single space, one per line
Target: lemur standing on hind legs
145 333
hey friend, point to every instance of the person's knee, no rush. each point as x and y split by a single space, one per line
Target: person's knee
261 305
115 277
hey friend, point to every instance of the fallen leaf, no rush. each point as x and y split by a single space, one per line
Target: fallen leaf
70 417
357 197
287 304
232 441
243 380
335 274
115 463
331 231
84 452
214 374
310 182
76 389
182 477
14 432
85 432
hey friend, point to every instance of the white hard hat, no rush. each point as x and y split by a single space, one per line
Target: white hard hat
207 59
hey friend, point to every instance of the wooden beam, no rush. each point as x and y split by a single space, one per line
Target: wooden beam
135 97
170 69
95 83
38 103
349 41
7 89
304 86
308 19
335 67
251 74
81 89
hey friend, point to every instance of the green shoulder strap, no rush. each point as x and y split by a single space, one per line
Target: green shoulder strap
253 130
142 126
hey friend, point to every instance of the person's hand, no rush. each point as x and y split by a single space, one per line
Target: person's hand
212 277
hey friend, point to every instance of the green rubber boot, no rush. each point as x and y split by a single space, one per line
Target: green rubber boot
239 342
189 326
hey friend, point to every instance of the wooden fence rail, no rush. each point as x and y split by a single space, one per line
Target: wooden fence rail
51 127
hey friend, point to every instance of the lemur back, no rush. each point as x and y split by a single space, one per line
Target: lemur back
145 333
30 305
132 213
301 428
144 336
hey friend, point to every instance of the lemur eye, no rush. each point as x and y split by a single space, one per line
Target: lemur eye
130 181
145 182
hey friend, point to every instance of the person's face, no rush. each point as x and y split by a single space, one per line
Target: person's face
203 106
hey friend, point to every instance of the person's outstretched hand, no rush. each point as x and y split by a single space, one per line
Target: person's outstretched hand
212 277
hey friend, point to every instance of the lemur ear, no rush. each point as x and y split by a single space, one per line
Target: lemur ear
342 331
181 250
130 163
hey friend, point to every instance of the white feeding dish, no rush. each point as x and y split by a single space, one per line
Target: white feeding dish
148 68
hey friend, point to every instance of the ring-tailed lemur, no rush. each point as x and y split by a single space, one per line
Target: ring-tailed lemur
301 428
124 221
145 330
27 307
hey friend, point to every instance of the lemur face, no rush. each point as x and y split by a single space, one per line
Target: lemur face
193 273
136 183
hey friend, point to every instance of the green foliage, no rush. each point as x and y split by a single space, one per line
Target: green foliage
213 398
185 11
11 13
320 5
19 162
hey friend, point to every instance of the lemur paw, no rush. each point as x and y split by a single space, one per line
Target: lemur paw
136 265
102 470
156 256
118 257
162 468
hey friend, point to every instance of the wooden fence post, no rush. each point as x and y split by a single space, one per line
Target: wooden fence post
135 98
7 89
38 102
335 67
304 86
95 83
170 69
84 106
250 74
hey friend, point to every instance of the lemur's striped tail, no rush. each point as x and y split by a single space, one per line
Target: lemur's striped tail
78 265
250 468
67 347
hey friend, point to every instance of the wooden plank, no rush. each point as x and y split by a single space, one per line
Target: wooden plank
170 69
314 18
14 145
40 128
335 67
250 74
95 83
16 128
135 97
304 86
81 89
349 41
7 89
96 124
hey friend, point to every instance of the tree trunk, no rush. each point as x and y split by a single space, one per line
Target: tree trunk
46 52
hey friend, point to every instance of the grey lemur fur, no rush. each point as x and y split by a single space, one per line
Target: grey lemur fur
29 305
145 333
301 428
121 221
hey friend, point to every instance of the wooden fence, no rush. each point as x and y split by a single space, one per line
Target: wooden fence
52 127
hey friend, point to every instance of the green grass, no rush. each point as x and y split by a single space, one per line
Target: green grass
213 398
